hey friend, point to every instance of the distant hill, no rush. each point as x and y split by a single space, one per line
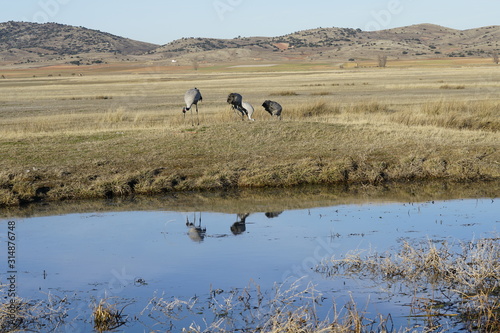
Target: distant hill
22 42
423 40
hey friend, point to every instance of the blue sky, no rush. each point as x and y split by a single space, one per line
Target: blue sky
161 21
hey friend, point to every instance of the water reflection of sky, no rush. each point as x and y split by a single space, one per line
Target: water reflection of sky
108 253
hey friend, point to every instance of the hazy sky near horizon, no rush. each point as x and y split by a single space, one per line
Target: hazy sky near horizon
161 21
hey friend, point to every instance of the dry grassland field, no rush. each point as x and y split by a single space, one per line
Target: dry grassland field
119 131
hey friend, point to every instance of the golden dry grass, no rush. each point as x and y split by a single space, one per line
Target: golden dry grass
22 315
467 279
107 317
119 134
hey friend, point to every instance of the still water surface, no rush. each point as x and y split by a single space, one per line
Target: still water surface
133 256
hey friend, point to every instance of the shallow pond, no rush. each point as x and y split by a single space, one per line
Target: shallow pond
140 259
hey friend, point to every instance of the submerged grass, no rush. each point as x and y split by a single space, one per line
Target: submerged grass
20 315
107 317
288 307
457 282
468 281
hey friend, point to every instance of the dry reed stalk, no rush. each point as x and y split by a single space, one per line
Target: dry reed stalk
107 317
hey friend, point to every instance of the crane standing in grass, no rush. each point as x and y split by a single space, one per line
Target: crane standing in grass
249 108
236 101
273 108
192 97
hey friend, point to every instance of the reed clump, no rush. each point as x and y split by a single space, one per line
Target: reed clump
468 279
369 107
107 317
21 315
314 110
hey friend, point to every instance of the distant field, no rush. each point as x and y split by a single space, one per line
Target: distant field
119 130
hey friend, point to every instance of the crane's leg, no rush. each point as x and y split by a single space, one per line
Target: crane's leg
244 113
197 116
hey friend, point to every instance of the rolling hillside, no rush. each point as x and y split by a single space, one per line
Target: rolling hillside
31 42
424 40
22 43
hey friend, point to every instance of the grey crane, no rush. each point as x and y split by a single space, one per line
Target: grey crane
192 97
249 108
274 108
236 102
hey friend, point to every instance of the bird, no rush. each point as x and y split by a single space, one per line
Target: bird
272 215
236 101
195 232
274 108
192 97
239 226
249 108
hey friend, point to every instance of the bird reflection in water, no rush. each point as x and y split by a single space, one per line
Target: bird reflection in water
272 215
196 232
239 226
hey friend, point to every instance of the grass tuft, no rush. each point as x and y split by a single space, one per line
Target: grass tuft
114 116
20 315
107 317
314 110
284 93
367 107
321 93
468 279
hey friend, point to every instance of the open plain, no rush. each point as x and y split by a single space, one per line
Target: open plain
101 131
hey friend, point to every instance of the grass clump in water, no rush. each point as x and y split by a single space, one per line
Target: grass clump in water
107 317
20 315
468 280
